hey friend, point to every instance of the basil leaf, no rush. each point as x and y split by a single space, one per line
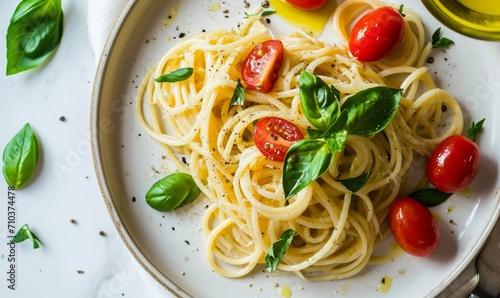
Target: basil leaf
239 95
35 30
305 161
25 233
173 191
336 135
319 103
370 110
438 42
20 157
178 75
267 13
336 142
357 183
430 197
475 129
278 249
315 133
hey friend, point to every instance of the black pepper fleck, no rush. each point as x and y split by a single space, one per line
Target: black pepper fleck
265 4
133 199
430 60
101 233
72 221
187 242
62 119
80 271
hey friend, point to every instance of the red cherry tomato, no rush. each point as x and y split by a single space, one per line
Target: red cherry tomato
273 136
307 4
262 65
377 34
453 164
413 226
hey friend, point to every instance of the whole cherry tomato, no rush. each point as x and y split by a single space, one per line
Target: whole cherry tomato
273 136
377 34
307 4
413 226
453 164
262 65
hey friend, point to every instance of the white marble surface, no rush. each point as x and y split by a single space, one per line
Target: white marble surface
76 260
64 186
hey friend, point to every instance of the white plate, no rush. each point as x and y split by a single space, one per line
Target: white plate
170 246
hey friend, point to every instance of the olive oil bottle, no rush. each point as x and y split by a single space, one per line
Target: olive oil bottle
475 18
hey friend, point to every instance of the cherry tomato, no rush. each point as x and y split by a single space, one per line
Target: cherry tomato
273 136
377 34
413 226
453 164
262 65
307 4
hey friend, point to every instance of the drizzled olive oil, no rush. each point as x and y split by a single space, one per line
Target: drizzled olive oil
311 21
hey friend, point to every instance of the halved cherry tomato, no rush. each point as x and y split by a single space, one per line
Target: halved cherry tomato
453 164
377 34
273 136
307 4
413 226
262 65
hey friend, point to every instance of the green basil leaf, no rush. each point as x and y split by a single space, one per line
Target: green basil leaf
173 191
475 129
278 249
336 142
239 95
315 133
20 157
305 161
267 13
35 30
25 233
370 110
357 183
438 42
319 102
430 197
177 75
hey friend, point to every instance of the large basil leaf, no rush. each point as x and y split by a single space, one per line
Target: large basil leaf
370 110
320 103
305 161
35 30
278 249
20 157
173 191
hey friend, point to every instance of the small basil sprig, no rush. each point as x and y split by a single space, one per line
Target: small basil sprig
365 113
430 197
263 14
173 191
438 41
278 249
177 75
25 233
238 97
20 157
475 129
35 30
356 183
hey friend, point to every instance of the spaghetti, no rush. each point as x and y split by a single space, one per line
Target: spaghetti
336 229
